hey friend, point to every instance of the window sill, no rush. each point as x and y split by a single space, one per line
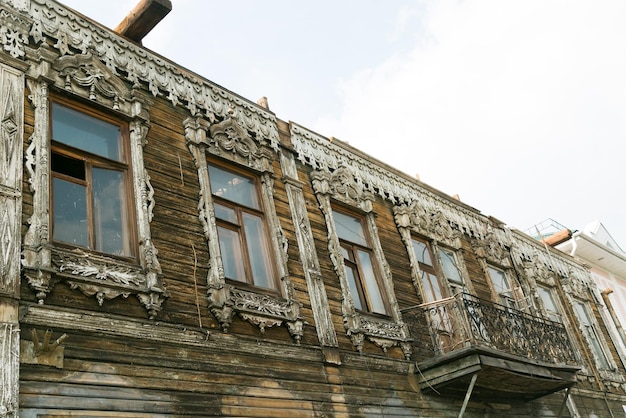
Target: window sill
95 274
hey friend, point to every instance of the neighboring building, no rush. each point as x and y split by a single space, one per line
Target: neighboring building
595 246
170 248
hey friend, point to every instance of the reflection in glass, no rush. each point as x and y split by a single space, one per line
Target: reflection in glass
225 213
376 298
421 252
354 291
234 187
257 249
449 266
232 258
349 228
109 204
85 132
70 213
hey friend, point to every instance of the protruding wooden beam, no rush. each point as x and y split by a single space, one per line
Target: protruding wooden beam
143 18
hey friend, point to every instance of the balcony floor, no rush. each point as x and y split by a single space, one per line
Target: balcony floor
500 375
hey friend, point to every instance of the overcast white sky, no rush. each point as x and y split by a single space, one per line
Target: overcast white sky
517 106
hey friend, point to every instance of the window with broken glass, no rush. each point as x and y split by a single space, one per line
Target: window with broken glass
91 206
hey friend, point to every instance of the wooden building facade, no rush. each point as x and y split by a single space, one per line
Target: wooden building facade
170 248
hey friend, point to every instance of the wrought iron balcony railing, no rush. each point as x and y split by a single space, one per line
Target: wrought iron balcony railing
467 321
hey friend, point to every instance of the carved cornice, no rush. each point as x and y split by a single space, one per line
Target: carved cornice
143 68
14 29
322 154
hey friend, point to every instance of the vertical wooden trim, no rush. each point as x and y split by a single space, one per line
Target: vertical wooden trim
11 145
308 255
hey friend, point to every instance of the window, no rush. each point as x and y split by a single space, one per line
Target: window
549 304
243 239
591 334
358 260
509 296
432 288
90 183
451 271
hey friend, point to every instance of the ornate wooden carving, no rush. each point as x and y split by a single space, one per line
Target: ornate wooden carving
14 29
343 184
229 139
69 34
11 141
45 265
308 253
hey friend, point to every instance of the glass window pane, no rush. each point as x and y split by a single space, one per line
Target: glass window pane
225 213
232 257
257 250
421 252
85 132
373 290
349 228
70 213
431 287
450 268
109 211
499 281
592 336
549 304
354 291
233 187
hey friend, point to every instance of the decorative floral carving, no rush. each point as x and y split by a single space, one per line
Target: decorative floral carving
86 71
256 302
101 292
492 247
81 264
428 222
14 32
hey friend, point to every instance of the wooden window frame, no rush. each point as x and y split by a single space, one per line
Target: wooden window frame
239 229
556 316
92 161
430 269
515 298
603 359
354 263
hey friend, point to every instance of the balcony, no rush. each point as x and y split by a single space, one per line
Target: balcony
473 346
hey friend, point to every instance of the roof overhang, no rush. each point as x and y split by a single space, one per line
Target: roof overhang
597 254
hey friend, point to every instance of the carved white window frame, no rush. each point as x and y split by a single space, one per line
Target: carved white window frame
433 228
580 287
83 77
230 141
343 186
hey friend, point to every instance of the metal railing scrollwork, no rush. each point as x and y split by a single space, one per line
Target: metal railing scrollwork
464 320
